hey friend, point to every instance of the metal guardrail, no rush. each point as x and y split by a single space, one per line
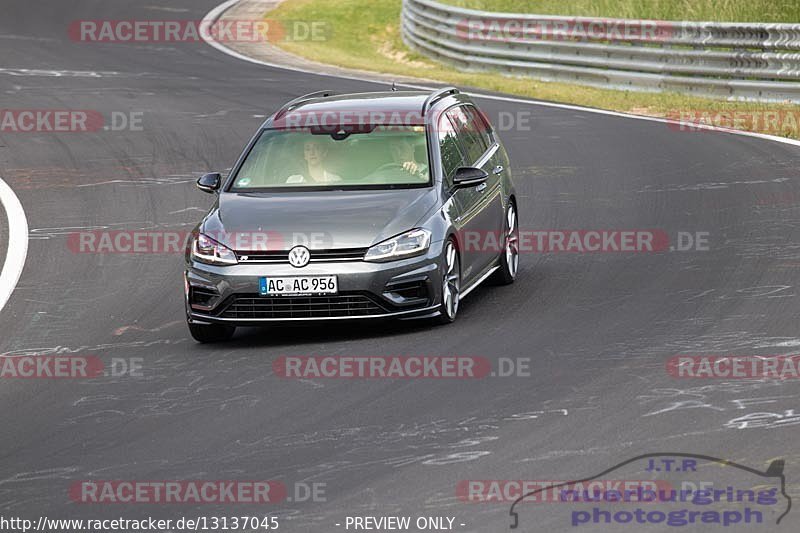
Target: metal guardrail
752 61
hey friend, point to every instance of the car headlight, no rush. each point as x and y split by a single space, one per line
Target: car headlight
207 250
409 244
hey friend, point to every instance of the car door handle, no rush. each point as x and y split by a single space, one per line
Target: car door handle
498 169
481 187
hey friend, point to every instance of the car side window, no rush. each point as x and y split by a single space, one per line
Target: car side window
468 134
482 125
452 156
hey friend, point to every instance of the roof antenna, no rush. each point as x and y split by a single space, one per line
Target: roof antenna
394 86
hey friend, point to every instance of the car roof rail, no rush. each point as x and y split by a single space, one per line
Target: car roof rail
294 103
436 96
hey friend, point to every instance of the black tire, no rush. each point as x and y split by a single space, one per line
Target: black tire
204 333
509 256
451 284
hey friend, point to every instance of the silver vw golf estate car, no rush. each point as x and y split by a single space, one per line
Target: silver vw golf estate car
357 206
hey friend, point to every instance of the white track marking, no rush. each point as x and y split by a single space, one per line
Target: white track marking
59 73
215 13
17 242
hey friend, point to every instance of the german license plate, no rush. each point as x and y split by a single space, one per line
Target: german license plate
298 285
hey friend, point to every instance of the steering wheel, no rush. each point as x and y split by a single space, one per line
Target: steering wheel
390 166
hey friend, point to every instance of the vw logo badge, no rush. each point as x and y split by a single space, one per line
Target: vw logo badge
299 256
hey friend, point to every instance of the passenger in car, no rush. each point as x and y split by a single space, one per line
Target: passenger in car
315 153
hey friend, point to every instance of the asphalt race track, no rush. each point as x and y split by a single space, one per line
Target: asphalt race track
598 328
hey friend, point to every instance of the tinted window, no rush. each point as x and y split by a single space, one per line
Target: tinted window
469 133
452 158
481 124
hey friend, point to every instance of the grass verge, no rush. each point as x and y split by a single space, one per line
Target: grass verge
366 35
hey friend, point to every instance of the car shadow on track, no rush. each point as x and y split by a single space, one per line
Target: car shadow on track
311 333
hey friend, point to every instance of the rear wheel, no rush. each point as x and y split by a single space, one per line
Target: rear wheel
451 285
207 333
509 259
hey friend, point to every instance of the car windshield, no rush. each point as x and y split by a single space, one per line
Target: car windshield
370 157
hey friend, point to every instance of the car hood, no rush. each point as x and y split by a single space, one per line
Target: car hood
318 220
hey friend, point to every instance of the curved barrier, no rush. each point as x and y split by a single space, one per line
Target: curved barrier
730 60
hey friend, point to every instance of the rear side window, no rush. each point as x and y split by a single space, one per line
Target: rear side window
482 125
452 156
471 132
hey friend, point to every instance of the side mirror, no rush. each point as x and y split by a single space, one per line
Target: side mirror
469 177
210 182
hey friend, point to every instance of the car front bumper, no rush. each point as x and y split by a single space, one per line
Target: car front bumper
230 294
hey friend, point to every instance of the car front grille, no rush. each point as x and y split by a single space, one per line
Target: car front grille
318 256
282 307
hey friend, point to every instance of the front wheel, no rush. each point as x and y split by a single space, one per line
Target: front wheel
207 333
509 259
451 285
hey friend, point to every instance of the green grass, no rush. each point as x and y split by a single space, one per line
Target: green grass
366 36
707 10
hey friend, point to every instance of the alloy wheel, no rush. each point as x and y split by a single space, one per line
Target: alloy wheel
512 242
451 283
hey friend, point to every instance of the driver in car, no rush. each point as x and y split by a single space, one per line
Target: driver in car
403 154
315 153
